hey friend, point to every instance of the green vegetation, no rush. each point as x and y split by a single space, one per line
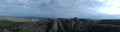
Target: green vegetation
7 24
62 25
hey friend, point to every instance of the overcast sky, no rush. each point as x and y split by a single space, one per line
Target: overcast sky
55 8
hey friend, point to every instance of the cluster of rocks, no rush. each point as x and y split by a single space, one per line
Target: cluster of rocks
62 25
48 25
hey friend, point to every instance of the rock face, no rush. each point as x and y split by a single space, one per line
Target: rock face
57 26
44 26
54 27
31 27
63 25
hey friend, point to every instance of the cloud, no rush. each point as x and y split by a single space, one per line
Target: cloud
50 8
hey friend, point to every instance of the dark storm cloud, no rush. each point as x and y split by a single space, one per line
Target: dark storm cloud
50 8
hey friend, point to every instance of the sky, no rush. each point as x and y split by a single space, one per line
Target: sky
90 9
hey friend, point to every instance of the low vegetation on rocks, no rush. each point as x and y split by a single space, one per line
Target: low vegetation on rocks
60 25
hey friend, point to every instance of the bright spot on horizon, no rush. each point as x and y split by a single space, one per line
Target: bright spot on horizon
112 7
